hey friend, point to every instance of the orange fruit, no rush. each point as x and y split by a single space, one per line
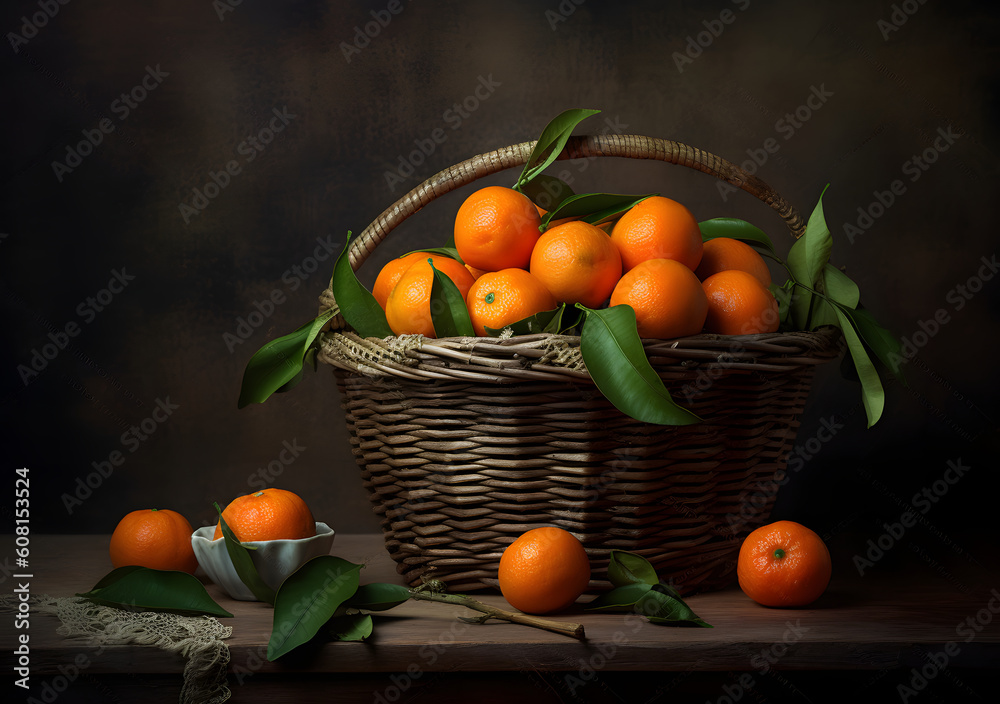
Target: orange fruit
476 273
666 296
499 298
577 262
724 253
658 228
783 564
392 272
268 514
544 570
738 304
408 308
495 229
156 538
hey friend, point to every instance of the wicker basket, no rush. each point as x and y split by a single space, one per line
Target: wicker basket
465 443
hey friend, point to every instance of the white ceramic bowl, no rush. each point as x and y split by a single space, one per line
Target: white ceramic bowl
274 559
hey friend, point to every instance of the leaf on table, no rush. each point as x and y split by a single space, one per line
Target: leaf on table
449 315
277 366
593 207
620 599
628 568
378 596
550 144
350 627
142 588
661 606
358 306
546 191
309 598
735 229
617 363
243 563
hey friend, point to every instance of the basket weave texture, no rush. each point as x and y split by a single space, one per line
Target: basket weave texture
466 443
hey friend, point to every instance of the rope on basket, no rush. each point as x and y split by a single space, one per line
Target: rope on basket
200 639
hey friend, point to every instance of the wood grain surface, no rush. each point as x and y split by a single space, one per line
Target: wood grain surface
873 623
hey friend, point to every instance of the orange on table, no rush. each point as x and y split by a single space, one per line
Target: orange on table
408 308
496 228
724 253
268 514
666 296
738 304
156 538
784 564
658 228
499 298
577 262
546 569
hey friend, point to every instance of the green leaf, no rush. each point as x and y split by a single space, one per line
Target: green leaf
565 321
378 596
783 295
886 347
735 229
662 607
622 598
539 322
449 314
839 286
806 261
547 191
351 627
629 568
358 306
550 144
873 395
243 563
307 599
617 363
277 365
142 588
449 252
593 207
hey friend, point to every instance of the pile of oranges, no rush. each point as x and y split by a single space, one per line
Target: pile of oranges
652 259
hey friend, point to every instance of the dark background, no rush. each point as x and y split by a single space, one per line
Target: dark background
888 93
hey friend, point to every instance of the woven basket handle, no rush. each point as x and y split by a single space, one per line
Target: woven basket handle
629 146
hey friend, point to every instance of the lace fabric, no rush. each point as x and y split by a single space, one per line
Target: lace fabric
199 639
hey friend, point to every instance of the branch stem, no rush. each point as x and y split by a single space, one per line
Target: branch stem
574 630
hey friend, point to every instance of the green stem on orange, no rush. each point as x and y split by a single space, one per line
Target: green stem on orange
779 553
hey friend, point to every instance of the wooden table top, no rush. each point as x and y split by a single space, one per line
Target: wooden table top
885 619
